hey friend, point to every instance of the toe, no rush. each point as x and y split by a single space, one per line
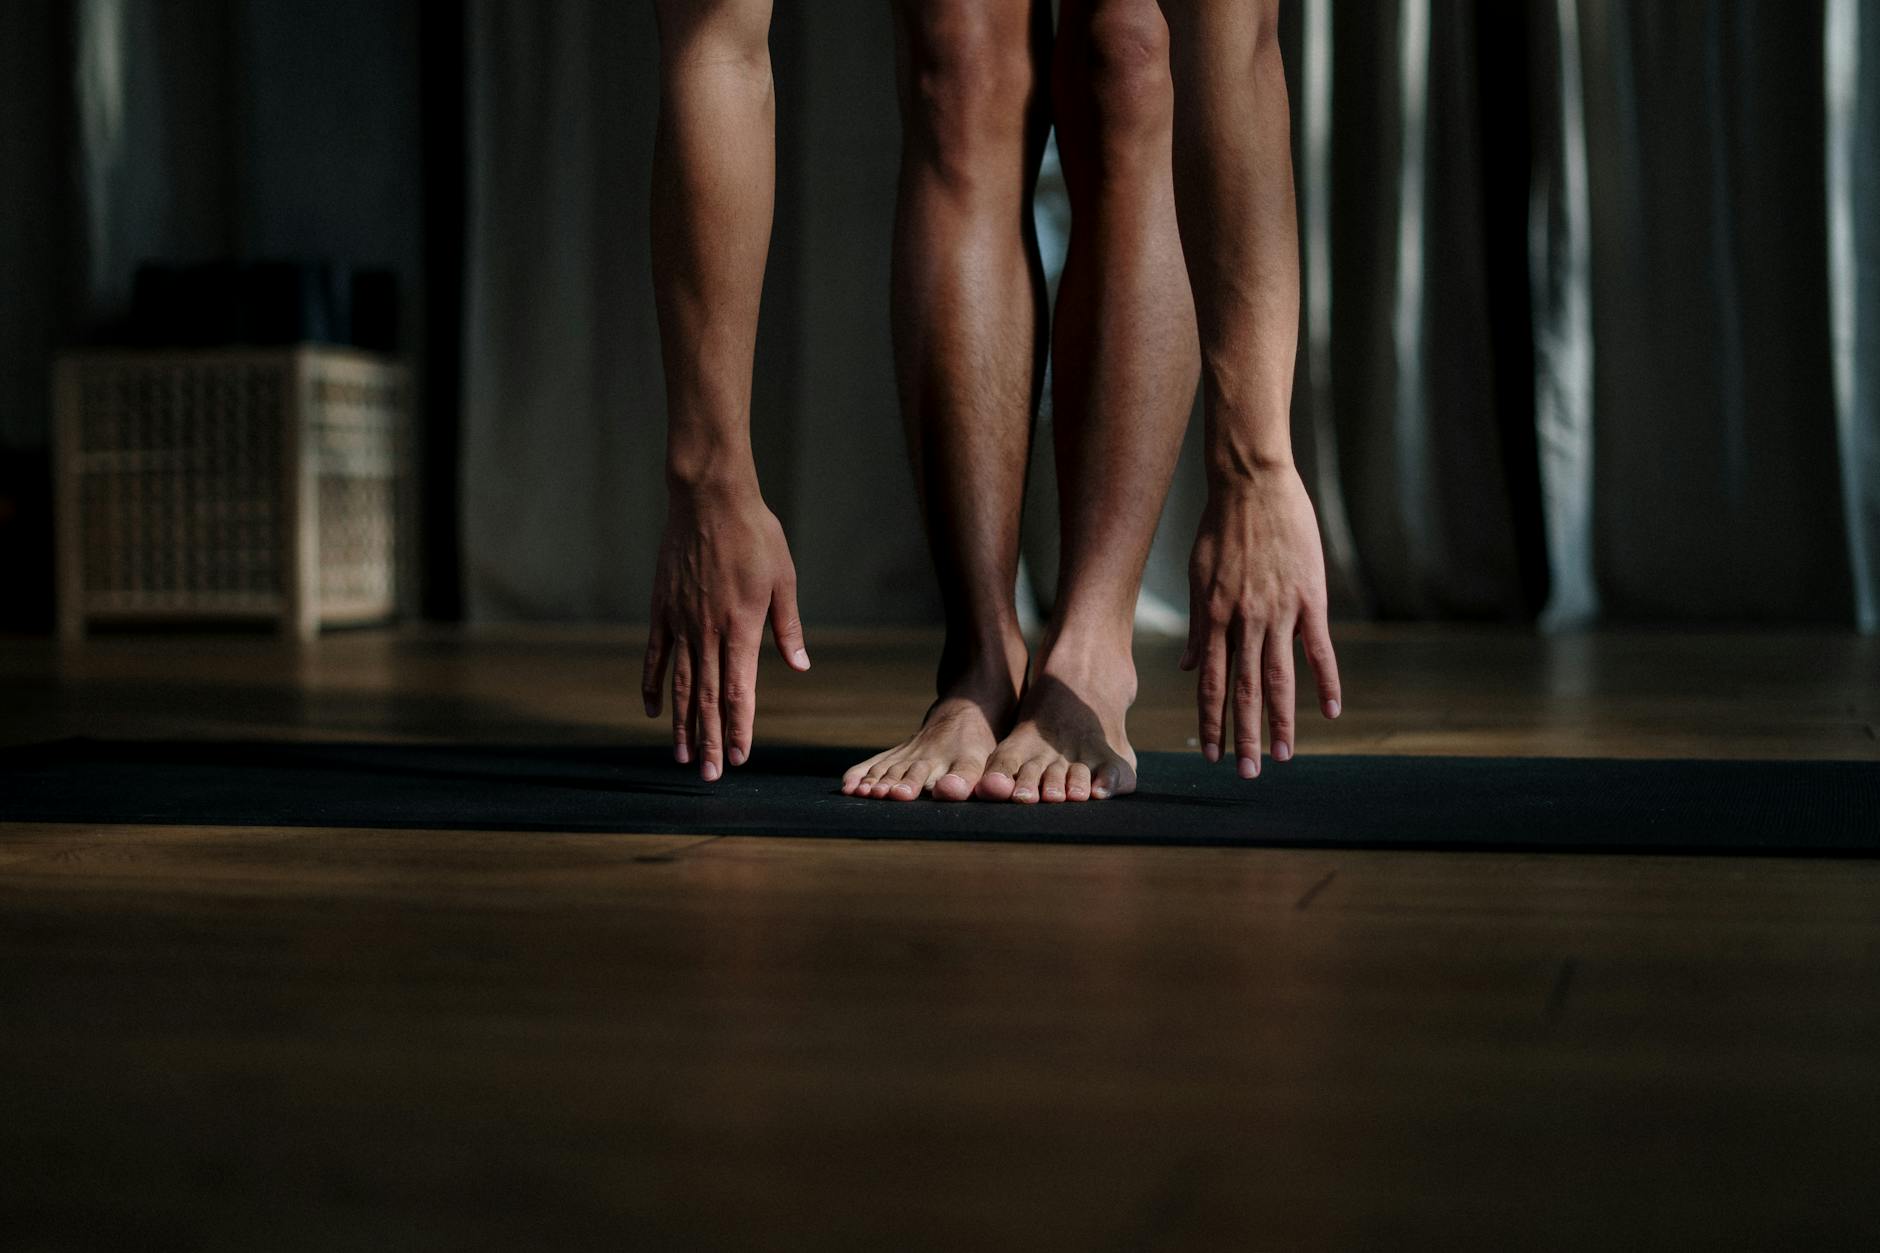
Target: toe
874 784
907 781
884 786
1001 776
1051 787
1025 786
958 782
927 774
1077 782
853 776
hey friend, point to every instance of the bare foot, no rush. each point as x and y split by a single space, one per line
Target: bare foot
945 757
1068 742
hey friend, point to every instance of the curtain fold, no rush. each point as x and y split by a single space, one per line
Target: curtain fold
1851 50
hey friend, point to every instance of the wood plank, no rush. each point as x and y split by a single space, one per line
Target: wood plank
300 1039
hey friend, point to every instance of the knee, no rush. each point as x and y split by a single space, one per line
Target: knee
968 83
1130 87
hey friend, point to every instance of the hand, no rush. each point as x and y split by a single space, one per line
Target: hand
1257 579
724 567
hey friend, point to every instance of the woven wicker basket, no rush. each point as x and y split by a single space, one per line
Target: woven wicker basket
222 485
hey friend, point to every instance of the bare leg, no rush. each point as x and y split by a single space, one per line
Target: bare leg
968 309
1257 579
1124 377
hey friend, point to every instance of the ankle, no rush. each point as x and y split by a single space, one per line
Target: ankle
984 662
1101 661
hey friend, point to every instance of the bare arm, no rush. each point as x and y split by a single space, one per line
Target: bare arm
724 566
1257 576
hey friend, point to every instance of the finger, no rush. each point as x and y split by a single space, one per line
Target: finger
653 677
740 696
711 728
1247 701
786 627
1317 634
1211 693
1196 647
691 712
682 702
1278 679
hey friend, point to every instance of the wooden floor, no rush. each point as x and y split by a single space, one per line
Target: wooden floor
310 1039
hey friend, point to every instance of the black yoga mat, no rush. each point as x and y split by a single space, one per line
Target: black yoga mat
1794 807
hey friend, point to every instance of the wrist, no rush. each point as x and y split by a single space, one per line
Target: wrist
704 470
1232 466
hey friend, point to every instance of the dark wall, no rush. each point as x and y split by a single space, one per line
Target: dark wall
185 130
33 213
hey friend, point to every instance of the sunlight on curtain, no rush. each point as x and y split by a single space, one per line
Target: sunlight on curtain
1852 274
1559 265
101 91
1411 418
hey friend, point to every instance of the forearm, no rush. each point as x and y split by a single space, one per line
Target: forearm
713 191
1234 189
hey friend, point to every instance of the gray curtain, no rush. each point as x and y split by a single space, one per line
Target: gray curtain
564 405
1589 325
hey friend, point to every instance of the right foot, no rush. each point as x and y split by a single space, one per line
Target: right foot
948 754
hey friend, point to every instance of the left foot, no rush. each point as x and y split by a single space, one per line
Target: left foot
1068 742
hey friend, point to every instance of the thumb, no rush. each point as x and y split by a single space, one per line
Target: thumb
786 627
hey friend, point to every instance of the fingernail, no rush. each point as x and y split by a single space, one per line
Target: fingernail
1282 751
710 772
1248 767
800 658
1212 752
1331 709
680 754
737 756
652 710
